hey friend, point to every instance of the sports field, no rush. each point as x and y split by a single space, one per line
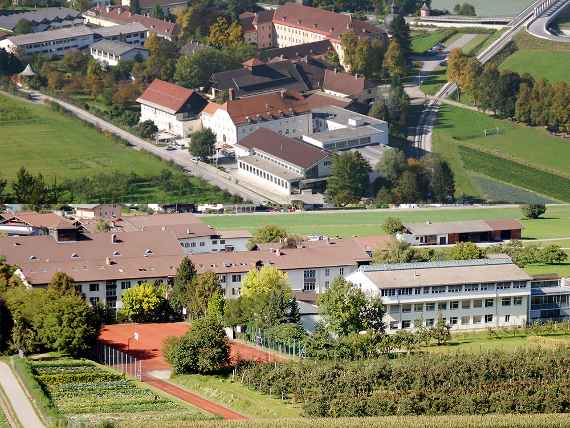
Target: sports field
552 66
539 159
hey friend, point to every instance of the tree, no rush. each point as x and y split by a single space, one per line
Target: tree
61 283
102 225
9 63
533 211
392 225
204 349
349 180
23 26
147 129
442 181
346 309
30 189
394 60
552 254
348 42
294 312
263 282
407 189
144 303
55 80
440 331
392 164
195 71
185 274
464 9
466 251
379 110
223 34
216 305
269 233
3 190
125 94
202 143
135 6
199 293
157 12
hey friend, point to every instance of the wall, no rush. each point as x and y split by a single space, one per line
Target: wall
207 244
163 120
272 181
101 293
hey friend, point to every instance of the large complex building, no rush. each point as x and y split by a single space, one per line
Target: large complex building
42 19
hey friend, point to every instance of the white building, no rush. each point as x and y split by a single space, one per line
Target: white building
96 211
111 52
172 108
469 294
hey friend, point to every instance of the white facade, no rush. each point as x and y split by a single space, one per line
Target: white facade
54 47
178 124
110 292
108 211
111 59
212 244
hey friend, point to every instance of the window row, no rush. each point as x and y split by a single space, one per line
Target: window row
438 289
464 320
454 305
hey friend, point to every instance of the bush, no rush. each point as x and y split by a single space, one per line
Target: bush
392 226
533 211
286 333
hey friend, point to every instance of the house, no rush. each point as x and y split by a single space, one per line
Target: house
314 50
468 294
96 211
448 233
258 77
345 85
35 224
172 108
108 16
335 128
550 298
111 52
280 163
55 43
285 112
258 28
43 19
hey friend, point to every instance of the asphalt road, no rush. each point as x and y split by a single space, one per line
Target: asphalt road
539 27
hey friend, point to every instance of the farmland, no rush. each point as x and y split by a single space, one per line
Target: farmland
83 392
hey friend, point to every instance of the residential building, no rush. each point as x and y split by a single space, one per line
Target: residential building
280 163
57 42
285 112
111 52
96 211
168 6
467 294
108 16
550 298
258 28
43 19
460 231
34 224
258 77
335 128
314 50
172 108
345 85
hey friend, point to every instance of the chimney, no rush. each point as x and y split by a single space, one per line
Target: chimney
231 94
277 252
107 261
108 9
282 93
113 238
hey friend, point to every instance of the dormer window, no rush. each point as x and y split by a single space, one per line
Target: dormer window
32 258
116 253
75 256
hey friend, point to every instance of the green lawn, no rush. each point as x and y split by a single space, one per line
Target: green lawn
552 66
530 150
433 82
237 397
3 421
555 225
474 45
487 7
424 40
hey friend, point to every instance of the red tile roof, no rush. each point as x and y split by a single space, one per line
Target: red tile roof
164 94
47 220
344 83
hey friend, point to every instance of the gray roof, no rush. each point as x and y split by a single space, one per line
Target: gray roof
46 36
48 14
115 47
285 174
116 30
341 115
343 134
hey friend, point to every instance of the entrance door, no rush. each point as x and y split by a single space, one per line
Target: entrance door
443 240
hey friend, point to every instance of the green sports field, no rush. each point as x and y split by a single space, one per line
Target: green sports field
552 66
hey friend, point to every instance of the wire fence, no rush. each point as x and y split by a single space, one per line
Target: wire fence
292 348
118 360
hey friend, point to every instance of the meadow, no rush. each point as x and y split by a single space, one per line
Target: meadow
3 421
487 7
424 40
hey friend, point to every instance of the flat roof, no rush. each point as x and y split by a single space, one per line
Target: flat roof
342 115
270 167
464 226
344 134
115 47
46 36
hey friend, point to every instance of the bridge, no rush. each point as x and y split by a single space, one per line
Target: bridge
544 15
496 22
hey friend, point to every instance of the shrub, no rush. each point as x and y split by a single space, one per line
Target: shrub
286 333
392 226
533 211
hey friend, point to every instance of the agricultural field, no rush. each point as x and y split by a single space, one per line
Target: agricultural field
221 389
487 7
536 159
84 392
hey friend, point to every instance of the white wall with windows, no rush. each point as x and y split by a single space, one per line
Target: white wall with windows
210 244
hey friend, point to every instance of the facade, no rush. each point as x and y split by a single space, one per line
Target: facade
168 6
258 28
280 163
109 16
43 19
96 211
461 231
111 52
35 224
345 85
172 108
468 294
56 42
284 112
335 128
550 298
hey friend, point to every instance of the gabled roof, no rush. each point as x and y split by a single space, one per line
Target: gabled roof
33 219
318 48
465 226
168 96
345 83
115 47
290 150
46 14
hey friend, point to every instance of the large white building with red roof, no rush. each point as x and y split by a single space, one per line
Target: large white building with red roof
173 109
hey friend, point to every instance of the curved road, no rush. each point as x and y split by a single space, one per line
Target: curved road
544 17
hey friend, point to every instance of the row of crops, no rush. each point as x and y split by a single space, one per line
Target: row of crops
83 391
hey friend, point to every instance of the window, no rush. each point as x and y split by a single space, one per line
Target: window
406 324
236 278
519 284
455 289
93 300
465 320
418 290
93 287
489 318
406 308
429 322
222 278
454 304
327 285
517 301
478 303
503 285
389 292
341 271
427 290
471 287
453 320
394 325
466 304
506 301
202 243
477 319
442 306
125 285
192 244
309 286
327 272
394 309
214 242
438 289
430 307
485 287
489 303
418 307
405 291
507 318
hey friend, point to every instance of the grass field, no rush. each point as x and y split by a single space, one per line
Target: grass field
85 393
424 40
531 151
475 44
487 7
237 396
493 190
552 66
3 421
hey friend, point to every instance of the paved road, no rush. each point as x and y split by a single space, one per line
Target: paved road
19 401
179 157
540 26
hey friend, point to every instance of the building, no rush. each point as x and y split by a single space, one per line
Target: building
345 85
168 6
280 163
111 52
468 294
335 128
37 224
550 298
96 211
108 16
57 42
425 10
314 50
287 113
461 231
43 19
172 108
104 266
258 28
258 77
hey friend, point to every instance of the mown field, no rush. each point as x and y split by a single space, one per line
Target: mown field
536 160
487 7
85 393
423 40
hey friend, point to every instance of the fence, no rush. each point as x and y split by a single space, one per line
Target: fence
292 348
118 360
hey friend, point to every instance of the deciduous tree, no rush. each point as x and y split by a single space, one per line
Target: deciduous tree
202 143
144 303
349 180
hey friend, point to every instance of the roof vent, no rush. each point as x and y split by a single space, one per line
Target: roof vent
32 258
108 261
75 256
147 252
116 253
